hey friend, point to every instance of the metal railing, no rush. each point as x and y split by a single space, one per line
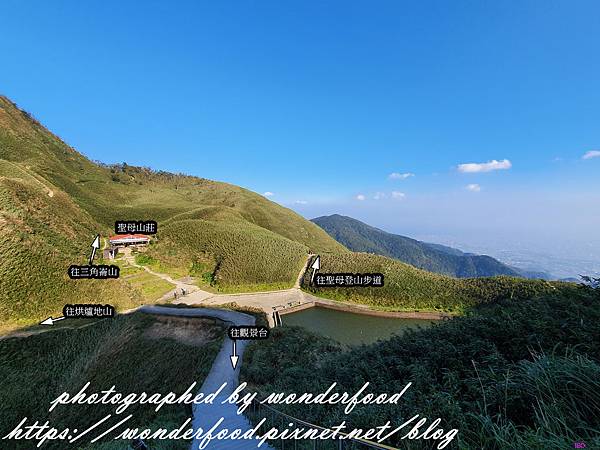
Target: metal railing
280 420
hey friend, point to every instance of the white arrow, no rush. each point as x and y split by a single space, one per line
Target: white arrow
315 267
95 246
50 320
234 357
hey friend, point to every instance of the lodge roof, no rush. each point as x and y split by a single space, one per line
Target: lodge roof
129 237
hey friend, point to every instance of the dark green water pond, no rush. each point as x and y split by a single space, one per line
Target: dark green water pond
351 328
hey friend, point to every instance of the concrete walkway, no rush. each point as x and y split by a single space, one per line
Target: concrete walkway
265 301
291 300
205 416
268 301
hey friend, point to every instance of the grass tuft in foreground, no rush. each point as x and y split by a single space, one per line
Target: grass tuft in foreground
510 375
135 353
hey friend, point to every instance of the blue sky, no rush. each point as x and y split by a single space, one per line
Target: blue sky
319 102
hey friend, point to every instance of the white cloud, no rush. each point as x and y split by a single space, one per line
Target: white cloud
400 176
301 202
360 197
398 195
485 167
473 187
268 194
379 195
591 154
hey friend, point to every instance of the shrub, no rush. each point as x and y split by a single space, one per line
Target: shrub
510 375
408 288
143 258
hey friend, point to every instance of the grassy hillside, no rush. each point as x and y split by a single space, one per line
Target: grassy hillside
360 237
109 193
53 201
409 288
512 375
238 255
120 352
42 232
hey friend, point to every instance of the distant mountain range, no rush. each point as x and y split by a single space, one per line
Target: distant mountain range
53 201
360 237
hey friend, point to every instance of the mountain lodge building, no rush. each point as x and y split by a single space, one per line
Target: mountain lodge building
126 240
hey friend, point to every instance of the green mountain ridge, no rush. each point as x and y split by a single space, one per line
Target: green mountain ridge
407 288
360 237
53 201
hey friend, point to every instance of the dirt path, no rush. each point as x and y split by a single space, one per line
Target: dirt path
284 301
303 271
180 286
268 301
195 295
27 333
290 300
